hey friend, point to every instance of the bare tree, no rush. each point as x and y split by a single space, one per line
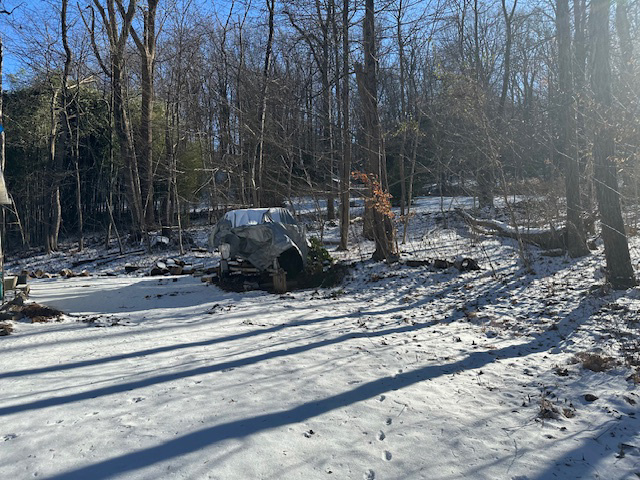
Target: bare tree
117 32
317 35
616 248
383 232
147 49
345 177
258 164
576 241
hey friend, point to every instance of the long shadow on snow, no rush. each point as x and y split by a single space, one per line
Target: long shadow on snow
213 368
488 293
201 343
242 428
451 288
98 392
276 328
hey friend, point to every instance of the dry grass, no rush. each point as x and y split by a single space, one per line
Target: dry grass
5 329
548 410
595 362
40 313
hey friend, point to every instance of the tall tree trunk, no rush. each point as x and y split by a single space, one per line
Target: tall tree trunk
485 175
147 48
576 241
627 79
383 231
127 150
579 90
54 211
258 168
66 101
117 31
616 248
403 110
345 171
508 20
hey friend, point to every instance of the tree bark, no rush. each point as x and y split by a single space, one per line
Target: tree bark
579 87
403 110
258 166
485 175
117 33
66 101
616 248
382 230
147 48
345 180
53 209
576 239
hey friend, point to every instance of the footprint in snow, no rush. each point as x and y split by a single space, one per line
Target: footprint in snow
381 398
386 455
381 436
10 436
369 475
388 421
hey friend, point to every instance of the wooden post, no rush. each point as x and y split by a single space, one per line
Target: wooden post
280 281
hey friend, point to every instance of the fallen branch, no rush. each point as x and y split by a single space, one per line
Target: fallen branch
104 259
550 239
462 264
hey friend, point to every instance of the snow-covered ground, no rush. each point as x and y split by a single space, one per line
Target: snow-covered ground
398 373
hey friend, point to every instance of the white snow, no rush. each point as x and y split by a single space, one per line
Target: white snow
399 373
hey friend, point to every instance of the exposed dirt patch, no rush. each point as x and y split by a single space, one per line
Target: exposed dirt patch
39 313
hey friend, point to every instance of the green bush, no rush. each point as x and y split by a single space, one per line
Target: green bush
318 258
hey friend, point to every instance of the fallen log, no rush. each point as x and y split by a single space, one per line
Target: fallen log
551 239
104 259
462 264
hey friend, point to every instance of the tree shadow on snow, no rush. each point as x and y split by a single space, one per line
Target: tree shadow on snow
245 427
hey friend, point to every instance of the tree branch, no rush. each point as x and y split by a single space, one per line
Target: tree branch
9 12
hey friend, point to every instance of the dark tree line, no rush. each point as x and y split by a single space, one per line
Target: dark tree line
129 114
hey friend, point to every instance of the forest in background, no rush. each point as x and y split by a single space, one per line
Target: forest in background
129 116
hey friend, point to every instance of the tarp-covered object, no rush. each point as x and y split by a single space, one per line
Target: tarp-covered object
262 235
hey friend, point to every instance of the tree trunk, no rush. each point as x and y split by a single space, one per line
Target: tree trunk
345 179
382 230
484 168
66 101
403 110
54 211
579 87
117 31
619 269
576 240
258 167
147 49
127 150
2 165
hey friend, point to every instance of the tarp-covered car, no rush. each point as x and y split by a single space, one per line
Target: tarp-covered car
268 238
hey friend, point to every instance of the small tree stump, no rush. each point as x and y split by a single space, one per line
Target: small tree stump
280 281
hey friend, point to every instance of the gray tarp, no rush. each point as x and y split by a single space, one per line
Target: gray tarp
260 235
